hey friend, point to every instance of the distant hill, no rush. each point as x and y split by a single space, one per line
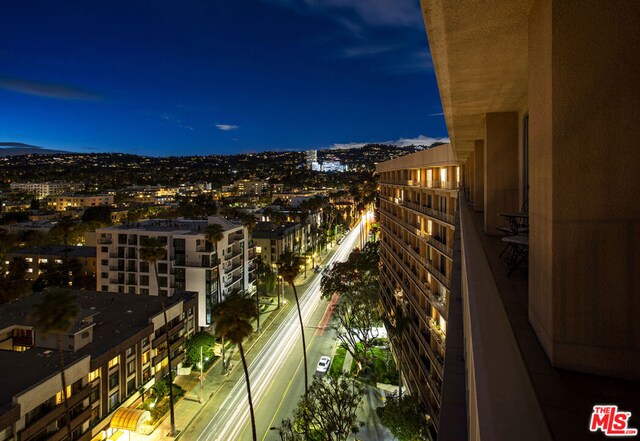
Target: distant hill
18 148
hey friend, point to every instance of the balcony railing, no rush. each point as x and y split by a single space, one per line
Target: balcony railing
445 185
441 277
439 215
423 261
435 242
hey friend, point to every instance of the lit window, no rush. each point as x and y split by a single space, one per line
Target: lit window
60 395
27 259
59 261
93 375
145 357
29 270
114 361
43 261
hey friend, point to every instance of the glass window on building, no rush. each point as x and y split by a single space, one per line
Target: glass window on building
113 401
129 351
131 367
114 380
93 375
131 386
95 395
114 361
6 433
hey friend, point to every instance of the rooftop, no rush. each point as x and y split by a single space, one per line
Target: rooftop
176 226
57 250
269 230
116 318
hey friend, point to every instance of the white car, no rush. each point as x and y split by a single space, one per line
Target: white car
323 365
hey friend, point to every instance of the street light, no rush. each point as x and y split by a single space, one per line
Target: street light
201 366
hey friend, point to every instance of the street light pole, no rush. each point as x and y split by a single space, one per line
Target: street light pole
201 376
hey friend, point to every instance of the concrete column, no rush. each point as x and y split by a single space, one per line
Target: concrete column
584 215
501 179
478 176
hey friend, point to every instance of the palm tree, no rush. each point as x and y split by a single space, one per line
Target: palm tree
214 233
232 319
55 315
265 283
66 224
152 251
289 270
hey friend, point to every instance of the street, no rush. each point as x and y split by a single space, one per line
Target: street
275 370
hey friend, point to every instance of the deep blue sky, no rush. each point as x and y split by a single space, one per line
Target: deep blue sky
214 76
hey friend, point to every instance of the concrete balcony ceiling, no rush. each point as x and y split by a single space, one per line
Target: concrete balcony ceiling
480 56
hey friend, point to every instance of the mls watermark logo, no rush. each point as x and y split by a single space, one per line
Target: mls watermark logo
612 422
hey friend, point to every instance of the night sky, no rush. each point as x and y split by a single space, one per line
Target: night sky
218 76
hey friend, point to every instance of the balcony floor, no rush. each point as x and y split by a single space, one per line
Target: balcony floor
566 397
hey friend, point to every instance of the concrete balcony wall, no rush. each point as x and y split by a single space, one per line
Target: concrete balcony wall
501 400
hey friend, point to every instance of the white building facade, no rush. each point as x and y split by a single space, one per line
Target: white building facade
190 263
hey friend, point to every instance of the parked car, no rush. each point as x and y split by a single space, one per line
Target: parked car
318 269
323 365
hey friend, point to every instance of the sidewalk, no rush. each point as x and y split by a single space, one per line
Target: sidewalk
189 407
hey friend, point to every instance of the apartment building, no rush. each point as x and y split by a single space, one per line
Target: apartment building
250 187
540 102
116 346
35 257
75 201
272 240
43 189
418 194
191 261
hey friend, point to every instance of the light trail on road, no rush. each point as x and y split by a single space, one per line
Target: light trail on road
228 422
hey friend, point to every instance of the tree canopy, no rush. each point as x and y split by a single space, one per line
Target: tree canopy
329 408
404 417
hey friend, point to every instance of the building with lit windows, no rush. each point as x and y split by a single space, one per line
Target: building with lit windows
540 103
115 348
418 195
53 255
78 201
190 262
43 189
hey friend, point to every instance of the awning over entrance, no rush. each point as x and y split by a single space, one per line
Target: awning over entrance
129 419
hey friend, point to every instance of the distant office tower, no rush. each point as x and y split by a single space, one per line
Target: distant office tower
311 157
418 195
189 264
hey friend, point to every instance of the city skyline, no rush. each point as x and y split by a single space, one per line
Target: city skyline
216 79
